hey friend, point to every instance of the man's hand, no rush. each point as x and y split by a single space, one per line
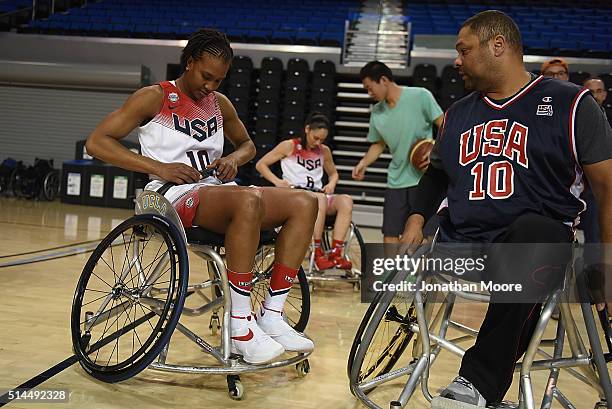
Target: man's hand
359 171
601 306
329 189
178 173
413 234
596 275
227 168
424 163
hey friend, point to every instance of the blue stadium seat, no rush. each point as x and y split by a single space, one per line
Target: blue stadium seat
559 24
306 38
566 44
538 43
121 28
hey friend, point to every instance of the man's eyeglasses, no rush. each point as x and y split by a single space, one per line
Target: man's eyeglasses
559 74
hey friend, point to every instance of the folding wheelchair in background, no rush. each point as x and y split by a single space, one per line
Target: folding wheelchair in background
403 333
137 285
354 251
38 181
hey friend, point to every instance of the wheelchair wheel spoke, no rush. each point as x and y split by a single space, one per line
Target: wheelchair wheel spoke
112 269
156 258
143 310
103 332
97 291
293 305
127 250
96 299
101 279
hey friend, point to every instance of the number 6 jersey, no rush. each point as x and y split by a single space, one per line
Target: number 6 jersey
507 159
185 131
303 168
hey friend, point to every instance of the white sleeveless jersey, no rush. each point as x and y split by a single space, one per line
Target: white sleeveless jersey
184 130
303 167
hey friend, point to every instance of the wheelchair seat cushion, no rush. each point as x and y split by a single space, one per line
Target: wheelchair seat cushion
198 235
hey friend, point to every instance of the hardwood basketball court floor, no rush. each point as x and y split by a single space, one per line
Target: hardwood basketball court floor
35 331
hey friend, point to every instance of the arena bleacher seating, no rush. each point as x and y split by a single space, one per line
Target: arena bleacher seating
564 28
570 28
261 21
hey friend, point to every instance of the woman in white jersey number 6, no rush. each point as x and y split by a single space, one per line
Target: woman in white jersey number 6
181 127
303 161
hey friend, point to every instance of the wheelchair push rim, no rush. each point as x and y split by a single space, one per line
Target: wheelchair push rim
118 323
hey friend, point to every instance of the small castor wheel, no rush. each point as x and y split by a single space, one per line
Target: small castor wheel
302 368
395 404
215 324
234 387
601 404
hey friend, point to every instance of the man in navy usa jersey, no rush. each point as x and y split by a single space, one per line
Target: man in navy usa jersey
511 157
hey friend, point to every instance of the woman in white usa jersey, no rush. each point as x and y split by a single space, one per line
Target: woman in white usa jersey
303 161
182 125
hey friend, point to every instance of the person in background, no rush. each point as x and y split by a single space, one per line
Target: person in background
303 161
598 89
555 68
401 116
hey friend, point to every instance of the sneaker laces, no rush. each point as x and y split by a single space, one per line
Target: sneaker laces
462 381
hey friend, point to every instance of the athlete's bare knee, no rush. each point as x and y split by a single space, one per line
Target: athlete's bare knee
344 202
305 205
250 205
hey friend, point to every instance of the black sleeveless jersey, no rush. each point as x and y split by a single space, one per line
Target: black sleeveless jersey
506 160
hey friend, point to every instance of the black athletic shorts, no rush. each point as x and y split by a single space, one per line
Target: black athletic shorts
396 210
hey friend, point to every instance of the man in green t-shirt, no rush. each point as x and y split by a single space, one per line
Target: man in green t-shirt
401 116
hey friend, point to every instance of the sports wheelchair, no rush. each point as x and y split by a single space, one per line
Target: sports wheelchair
354 251
395 319
38 181
7 169
133 291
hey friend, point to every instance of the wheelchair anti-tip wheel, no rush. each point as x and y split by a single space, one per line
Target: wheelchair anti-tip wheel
382 336
297 305
129 298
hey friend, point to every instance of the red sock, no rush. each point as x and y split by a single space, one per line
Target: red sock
318 249
280 285
337 246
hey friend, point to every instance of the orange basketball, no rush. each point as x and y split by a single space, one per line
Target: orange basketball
419 151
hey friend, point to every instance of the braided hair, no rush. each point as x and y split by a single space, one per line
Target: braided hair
208 41
315 120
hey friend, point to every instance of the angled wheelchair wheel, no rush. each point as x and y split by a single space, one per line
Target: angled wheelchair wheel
51 185
356 251
129 298
297 306
361 330
383 335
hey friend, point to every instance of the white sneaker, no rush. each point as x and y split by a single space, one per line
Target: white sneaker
273 324
248 340
460 394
